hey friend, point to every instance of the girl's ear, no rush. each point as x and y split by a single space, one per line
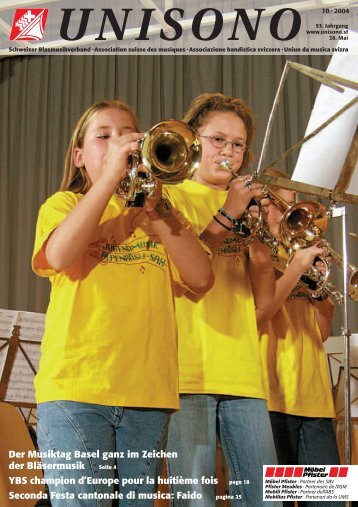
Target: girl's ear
78 157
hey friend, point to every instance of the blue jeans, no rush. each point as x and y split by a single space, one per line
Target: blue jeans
244 429
305 441
105 446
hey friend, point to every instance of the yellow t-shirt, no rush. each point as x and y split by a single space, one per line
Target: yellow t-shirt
110 335
295 363
219 349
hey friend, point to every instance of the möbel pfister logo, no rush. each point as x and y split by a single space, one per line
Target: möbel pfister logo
306 471
29 24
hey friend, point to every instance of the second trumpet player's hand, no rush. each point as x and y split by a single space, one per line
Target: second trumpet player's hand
239 196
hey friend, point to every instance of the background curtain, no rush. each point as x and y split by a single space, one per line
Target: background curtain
42 98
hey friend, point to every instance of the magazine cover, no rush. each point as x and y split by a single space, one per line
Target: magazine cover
178 253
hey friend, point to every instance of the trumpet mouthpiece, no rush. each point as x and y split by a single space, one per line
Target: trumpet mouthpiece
225 164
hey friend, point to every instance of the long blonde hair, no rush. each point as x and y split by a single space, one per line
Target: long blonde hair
207 103
75 178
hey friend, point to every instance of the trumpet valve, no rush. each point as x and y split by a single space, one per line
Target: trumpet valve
148 186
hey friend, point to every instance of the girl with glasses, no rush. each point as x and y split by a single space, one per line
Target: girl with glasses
220 369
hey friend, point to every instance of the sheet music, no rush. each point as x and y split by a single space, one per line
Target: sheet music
321 158
7 321
32 325
20 388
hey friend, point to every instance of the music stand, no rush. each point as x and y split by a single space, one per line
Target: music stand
20 340
339 193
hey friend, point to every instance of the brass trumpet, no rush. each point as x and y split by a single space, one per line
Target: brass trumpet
352 271
253 227
313 282
303 224
170 152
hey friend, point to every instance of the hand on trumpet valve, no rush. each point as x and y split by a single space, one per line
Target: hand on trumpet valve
326 252
304 258
318 261
120 149
254 210
247 184
241 191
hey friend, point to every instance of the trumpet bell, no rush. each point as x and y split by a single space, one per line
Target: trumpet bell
303 224
171 151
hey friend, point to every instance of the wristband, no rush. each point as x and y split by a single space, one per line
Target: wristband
227 215
222 225
238 226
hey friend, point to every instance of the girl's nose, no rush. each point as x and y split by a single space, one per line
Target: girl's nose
227 149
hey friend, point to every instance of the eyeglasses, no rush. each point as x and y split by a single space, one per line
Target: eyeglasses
220 143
